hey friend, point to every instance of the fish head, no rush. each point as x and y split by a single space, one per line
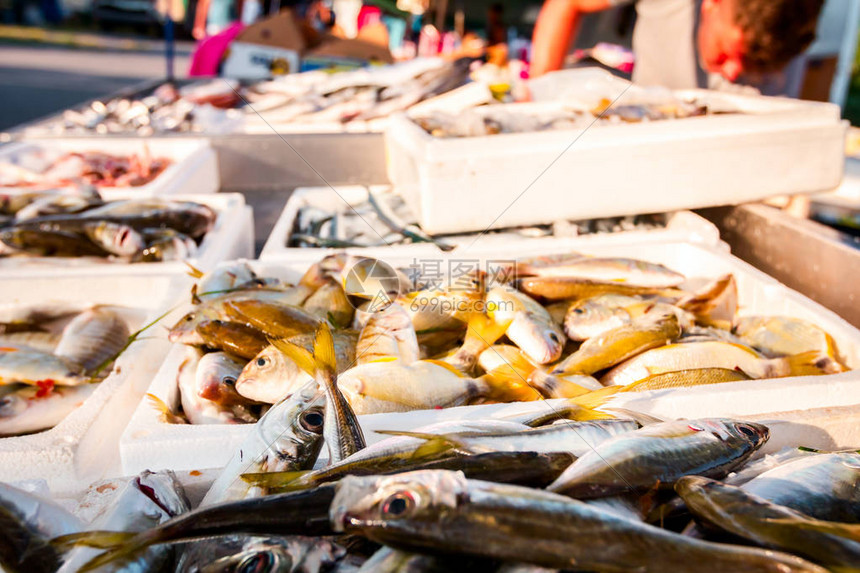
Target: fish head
294 428
185 330
164 490
754 434
590 317
116 238
216 378
11 405
269 377
393 506
260 558
542 342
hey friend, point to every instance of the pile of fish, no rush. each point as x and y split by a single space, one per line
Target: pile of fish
364 94
550 327
544 491
494 120
198 107
43 169
52 358
385 219
79 223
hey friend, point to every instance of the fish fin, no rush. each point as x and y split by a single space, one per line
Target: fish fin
595 398
450 367
167 414
118 545
193 271
324 354
434 444
640 418
303 358
195 298
384 359
486 330
507 383
273 480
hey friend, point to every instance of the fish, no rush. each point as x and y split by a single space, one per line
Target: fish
329 302
288 437
216 376
30 340
388 334
594 316
165 245
54 204
604 351
716 304
26 409
430 511
530 326
716 354
603 269
686 379
776 336
114 238
555 289
28 522
292 554
224 278
390 219
391 386
342 432
271 376
47 243
271 318
147 500
34 367
388 560
737 512
185 329
823 486
660 454
233 337
299 513
93 338
199 410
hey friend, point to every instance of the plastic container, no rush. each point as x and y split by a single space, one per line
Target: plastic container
194 169
775 146
149 443
680 226
84 447
231 237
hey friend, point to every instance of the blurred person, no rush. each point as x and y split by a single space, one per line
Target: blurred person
682 44
496 32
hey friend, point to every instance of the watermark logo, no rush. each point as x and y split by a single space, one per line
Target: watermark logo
375 281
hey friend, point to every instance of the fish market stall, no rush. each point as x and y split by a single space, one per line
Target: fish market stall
158 430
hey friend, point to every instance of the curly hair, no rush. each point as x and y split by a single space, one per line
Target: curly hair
776 30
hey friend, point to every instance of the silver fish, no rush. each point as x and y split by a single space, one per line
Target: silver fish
31 409
93 337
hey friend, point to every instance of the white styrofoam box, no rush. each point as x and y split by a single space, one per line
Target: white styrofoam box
194 169
776 146
681 226
149 443
85 446
847 195
231 237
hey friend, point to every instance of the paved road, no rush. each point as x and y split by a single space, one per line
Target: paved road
38 80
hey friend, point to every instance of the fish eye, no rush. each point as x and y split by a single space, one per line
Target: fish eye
262 361
398 505
747 431
554 337
257 563
579 310
229 381
189 317
312 421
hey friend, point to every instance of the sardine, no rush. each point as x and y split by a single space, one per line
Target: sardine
93 337
115 238
443 511
776 336
530 326
625 271
659 455
561 288
35 408
388 334
33 367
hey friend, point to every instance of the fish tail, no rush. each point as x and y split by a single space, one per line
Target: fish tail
193 271
510 381
434 445
324 353
812 363
551 386
195 298
484 330
118 545
167 416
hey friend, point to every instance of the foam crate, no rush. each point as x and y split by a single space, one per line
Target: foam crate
194 169
231 237
776 146
149 443
85 446
681 226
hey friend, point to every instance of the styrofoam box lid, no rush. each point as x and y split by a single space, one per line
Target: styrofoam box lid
194 169
681 226
84 446
149 443
232 236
